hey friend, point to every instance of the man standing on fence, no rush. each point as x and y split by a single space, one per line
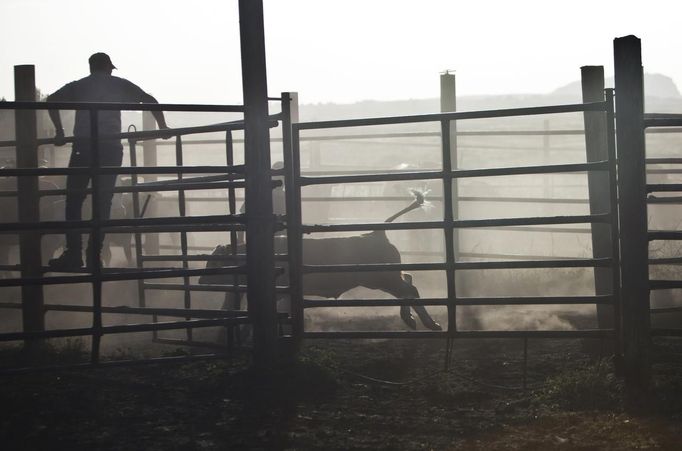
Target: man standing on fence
99 86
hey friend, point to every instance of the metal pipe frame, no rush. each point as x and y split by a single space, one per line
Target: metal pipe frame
457 173
486 114
119 329
120 274
451 225
462 301
126 310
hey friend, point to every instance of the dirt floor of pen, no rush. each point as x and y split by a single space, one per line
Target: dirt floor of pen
344 394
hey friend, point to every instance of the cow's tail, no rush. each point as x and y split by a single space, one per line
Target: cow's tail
418 202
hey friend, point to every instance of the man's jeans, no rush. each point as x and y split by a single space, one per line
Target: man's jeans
111 154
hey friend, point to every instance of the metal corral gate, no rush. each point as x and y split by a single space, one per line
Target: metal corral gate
450 225
31 228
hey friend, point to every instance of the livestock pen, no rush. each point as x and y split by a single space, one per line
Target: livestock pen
309 182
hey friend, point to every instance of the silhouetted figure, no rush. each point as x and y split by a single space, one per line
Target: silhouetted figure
99 86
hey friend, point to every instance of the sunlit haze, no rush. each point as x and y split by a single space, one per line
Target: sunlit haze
333 50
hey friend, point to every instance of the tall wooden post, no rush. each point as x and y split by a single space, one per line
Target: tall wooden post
598 186
633 211
149 157
259 216
28 201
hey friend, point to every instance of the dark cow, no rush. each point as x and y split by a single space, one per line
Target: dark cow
369 248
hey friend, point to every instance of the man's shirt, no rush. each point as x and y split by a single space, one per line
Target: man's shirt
99 88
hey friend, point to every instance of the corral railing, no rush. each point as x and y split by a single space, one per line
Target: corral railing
664 123
30 229
450 225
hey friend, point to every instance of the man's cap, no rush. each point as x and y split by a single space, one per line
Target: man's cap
100 61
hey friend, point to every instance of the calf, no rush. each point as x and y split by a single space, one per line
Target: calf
368 248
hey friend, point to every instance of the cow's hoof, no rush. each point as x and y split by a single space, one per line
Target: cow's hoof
409 320
433 325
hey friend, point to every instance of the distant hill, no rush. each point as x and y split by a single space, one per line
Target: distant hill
655 85
662 96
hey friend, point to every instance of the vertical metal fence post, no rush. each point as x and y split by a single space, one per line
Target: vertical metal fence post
448 103
28 204
547 158
232 209
295 236
450 231
231 195
182 209
259 217
615 226
94 250
150 159
592 78
139 252
633 212
293 210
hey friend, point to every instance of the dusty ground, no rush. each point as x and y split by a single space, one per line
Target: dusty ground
349 395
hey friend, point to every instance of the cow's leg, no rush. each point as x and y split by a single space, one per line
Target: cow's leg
106 252
406 316
425 318
233 301
128 250
401 287
408 290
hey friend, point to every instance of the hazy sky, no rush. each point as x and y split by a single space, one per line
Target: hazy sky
336 50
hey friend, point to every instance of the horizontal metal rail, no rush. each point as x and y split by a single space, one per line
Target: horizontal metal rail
112 225
664 200
465 255
663 160
191 183
662 120
438 134
122 329
584 333
221 288
124 309
655 311
664 284
114 106
189 258
459 173
665 261
655 332
477 301
432 199
467 223
664 187
122 170
531 111
154 134
131 274
670 235
537 264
